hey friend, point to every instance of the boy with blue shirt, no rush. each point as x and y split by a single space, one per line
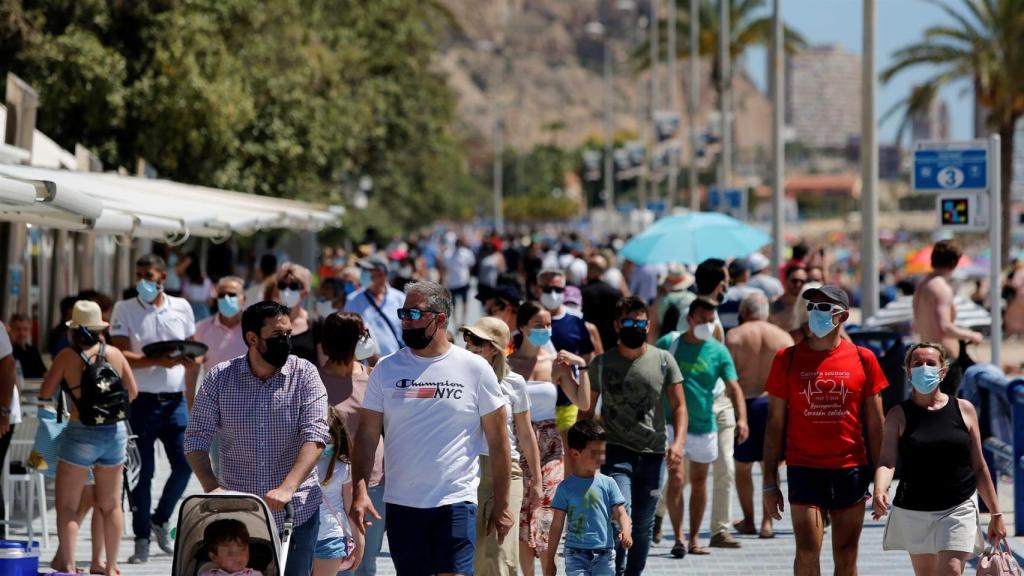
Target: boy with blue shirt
586 502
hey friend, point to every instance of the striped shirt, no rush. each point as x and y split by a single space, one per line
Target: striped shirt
261 424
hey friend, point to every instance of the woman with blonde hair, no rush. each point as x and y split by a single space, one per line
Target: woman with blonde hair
934 515
489 338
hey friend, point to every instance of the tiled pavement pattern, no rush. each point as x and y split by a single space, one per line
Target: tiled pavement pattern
756 557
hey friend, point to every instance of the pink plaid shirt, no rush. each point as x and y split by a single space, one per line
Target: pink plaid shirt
261 426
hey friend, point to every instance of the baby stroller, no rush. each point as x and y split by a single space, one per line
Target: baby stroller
268 551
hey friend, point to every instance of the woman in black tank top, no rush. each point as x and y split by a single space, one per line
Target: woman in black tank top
935 436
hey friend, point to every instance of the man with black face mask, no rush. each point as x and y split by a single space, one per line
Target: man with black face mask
633 378
272 406
435 405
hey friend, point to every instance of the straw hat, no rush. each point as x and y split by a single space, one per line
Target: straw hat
87 313
491 329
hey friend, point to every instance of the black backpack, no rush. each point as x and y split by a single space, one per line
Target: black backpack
103 399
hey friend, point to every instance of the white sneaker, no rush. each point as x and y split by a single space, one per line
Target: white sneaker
141 555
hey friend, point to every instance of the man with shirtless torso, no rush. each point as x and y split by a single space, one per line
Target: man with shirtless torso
756 341
934 312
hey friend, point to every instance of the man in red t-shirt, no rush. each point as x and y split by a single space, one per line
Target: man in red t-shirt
827 388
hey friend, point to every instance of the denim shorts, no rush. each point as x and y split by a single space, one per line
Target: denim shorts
88 446
580 562
331 548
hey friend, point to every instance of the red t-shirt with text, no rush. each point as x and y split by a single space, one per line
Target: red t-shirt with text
824 393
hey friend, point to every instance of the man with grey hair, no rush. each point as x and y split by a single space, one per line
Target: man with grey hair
436 405
222 332
756 341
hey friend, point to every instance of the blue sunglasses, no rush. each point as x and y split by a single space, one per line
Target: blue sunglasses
630 323
413 314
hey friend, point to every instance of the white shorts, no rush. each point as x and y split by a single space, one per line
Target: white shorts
702 448
917 532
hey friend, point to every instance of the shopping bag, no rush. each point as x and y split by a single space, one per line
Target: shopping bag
47 443
998 560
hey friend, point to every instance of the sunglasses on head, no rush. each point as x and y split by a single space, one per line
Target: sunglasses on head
824 307
413 314
630 323
283 285
473 339
553 290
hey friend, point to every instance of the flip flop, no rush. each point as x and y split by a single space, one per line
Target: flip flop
738 527
697 551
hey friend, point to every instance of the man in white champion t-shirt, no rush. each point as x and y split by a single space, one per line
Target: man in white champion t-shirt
436 405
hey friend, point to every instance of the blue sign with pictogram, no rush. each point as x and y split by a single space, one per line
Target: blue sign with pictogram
731 201
950 167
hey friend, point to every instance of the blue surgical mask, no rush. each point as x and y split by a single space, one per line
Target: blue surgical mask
365 278
349 288
148 290
925 378
228 306
820 323
539 336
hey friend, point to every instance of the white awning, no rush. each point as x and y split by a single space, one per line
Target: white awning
143 207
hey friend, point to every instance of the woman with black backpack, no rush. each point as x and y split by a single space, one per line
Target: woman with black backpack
100 384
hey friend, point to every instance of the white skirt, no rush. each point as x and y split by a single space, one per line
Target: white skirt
957 529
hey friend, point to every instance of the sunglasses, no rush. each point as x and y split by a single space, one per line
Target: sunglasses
797 281
473 339
630 323
553 290
824 307
223 294
413 314
297 286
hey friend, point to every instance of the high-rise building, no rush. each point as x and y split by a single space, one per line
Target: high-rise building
932 124
823 96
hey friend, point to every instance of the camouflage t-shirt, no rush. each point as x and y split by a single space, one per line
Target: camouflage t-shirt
631 397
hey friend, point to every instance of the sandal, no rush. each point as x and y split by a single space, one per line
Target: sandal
697 551
742 528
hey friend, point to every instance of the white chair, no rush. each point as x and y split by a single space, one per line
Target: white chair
28 486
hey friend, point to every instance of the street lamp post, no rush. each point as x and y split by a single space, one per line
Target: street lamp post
694 101
670 79
869 170
726 66
778 143
655 24
598 32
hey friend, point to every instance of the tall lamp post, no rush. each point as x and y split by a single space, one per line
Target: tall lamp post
778 143
725 36
694 103
597 31
869 170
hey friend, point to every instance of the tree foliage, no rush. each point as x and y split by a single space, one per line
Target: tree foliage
277 97
985 46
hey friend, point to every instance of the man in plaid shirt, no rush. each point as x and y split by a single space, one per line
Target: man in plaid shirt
269 410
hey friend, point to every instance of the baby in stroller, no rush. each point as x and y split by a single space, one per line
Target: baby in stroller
227 542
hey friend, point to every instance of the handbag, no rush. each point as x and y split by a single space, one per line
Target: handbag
998 560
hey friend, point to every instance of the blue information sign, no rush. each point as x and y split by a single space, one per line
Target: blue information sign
941 168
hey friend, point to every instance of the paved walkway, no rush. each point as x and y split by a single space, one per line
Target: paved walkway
762 557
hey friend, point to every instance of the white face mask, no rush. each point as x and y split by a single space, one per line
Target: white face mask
551 300
324 308
704 331
290 297
365 348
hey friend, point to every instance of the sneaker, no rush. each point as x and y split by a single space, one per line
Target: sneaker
656 538
141 555
724 540
162 533
678 550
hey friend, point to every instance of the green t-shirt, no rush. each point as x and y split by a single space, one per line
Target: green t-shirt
631 397
702 365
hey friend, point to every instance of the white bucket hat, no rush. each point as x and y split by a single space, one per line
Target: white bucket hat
87 313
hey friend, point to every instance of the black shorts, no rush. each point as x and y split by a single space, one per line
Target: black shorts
757 420
460 293
828 488
426 541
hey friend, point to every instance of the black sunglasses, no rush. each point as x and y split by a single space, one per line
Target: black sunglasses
223 294
473 339
553 290
413 314
297 286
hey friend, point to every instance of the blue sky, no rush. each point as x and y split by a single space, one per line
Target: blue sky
900 22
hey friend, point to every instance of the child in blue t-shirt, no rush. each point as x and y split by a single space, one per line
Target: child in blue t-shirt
586 502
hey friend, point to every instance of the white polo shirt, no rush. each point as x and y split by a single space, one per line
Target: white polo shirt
145 324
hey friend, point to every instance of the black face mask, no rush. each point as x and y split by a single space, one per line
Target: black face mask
632 338
277 350
416 338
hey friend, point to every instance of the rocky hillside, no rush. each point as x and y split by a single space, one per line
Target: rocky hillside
546 74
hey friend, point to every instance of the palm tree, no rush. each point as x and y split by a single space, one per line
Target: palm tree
985 47
750 25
